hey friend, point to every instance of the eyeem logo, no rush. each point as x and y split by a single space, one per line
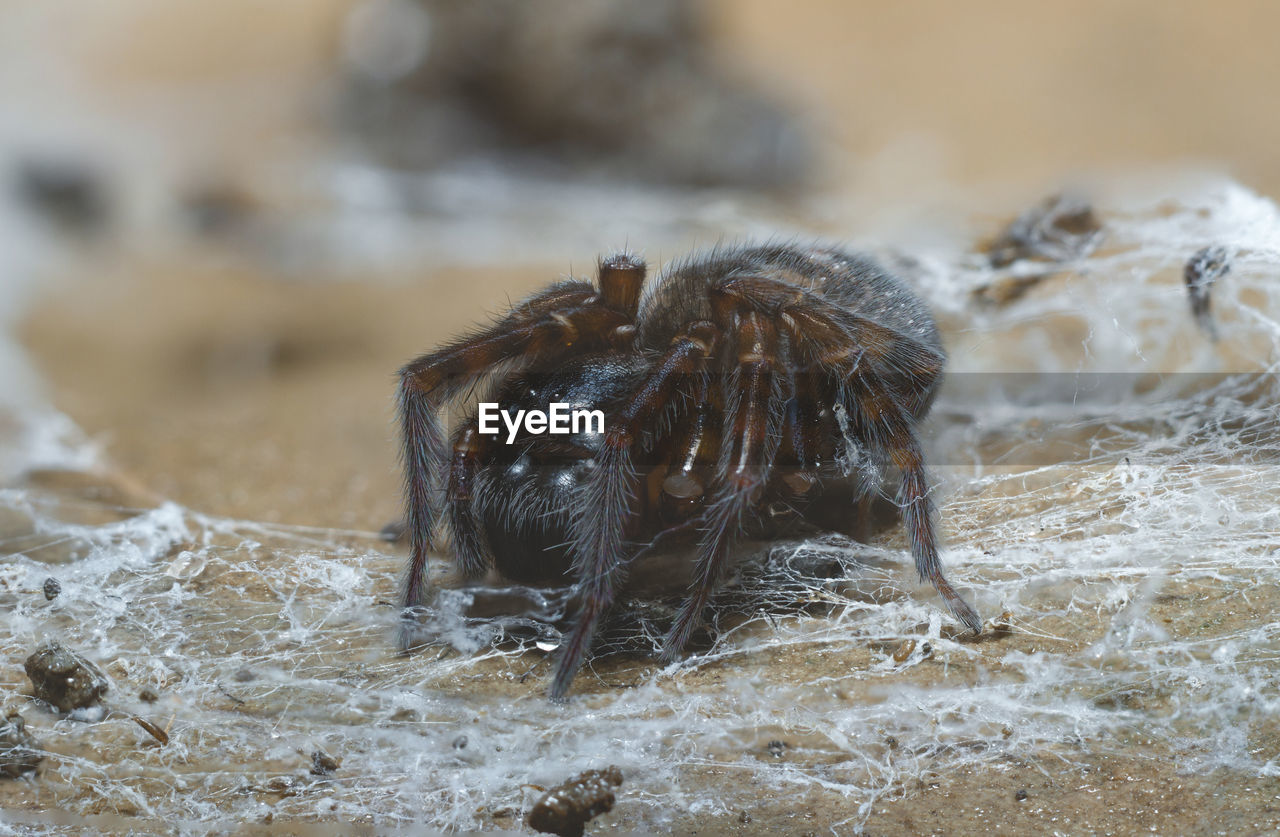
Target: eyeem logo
559 419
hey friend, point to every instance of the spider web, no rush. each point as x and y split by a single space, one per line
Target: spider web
1106 484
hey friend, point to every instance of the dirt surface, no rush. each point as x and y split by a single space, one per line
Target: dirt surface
257 399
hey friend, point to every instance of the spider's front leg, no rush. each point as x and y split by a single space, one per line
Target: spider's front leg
567 317
470 547
599 524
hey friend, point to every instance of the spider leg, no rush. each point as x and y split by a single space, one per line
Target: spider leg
753 413
803 427
471 550
599 525
837 338
890 430
684 484
892 377
540 330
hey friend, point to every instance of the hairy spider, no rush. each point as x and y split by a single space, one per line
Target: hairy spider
735 384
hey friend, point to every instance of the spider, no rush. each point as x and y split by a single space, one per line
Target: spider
735 384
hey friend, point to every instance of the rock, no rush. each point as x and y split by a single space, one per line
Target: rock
567 808
626 88
67 192
19 752
323 764
65 679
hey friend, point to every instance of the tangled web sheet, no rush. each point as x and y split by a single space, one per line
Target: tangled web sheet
1107 488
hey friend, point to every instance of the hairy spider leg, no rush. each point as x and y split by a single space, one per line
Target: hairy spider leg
470 548
752 415
900 359
886 426
598 527
543 329
882 370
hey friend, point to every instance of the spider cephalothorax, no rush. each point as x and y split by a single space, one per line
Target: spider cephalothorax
734 384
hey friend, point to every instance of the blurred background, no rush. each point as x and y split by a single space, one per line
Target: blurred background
202 194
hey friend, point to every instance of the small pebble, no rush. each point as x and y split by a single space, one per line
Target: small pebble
282 785
65 679
323 764
904 651
567 808
52 587
19 752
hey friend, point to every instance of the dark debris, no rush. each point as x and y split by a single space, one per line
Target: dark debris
154 731
19 752
567 808
1059 230
1207 266
323 764
64 679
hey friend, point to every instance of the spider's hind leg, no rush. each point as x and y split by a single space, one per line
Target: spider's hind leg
888 378
886 423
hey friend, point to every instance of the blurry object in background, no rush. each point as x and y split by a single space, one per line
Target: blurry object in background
218 208
1059 230
1207 266
68 193
626 88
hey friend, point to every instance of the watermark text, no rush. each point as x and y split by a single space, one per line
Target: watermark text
558 419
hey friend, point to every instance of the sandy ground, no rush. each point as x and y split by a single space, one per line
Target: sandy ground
257 399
